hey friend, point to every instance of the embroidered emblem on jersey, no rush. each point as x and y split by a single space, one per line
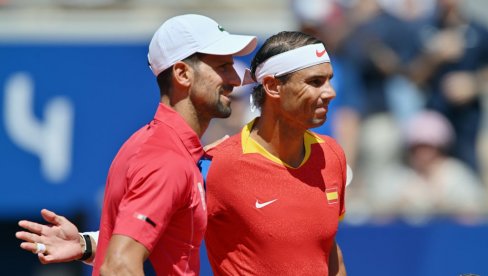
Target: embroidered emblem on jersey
202 195
144 218
261 205
332 195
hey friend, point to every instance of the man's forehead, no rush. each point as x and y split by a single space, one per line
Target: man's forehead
212 59
323 69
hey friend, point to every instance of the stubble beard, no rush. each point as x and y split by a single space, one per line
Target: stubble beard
222 111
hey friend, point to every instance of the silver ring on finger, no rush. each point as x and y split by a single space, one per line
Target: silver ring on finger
40 248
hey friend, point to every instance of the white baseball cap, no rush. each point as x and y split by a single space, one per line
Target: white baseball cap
182 36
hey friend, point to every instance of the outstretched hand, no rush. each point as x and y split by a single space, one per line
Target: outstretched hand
60 237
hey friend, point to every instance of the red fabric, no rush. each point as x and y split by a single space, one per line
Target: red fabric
152 195
293 234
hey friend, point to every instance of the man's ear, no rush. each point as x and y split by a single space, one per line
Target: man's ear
272 86
182 74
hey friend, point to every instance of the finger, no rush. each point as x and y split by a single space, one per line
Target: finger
52 259
29 246
46 259
31 226
28 237
51 217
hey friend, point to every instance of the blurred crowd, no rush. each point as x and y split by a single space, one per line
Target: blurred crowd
411 78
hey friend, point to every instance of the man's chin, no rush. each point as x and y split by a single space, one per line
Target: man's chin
317 122
223 112
224 116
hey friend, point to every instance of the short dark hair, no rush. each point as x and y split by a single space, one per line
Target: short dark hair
277 44
164 78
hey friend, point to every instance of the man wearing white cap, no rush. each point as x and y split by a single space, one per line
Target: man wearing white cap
154 204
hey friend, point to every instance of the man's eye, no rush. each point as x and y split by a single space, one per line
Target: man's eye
317 82
223 67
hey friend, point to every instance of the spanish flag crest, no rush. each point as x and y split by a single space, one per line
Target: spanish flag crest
332 195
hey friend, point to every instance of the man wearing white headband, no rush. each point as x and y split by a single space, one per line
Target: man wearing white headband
275 191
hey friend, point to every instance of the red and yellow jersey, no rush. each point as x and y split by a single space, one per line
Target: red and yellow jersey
267 218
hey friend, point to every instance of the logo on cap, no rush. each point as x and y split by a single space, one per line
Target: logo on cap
221 28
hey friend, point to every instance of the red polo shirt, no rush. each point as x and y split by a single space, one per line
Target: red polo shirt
154 194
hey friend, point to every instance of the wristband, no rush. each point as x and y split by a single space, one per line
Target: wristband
87 252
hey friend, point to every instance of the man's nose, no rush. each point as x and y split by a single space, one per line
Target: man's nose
328 92
233 78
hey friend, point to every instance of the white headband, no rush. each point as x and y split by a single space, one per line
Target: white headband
288 62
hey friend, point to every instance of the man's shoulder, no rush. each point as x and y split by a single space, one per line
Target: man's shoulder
330 144
146 150
229 146
326 140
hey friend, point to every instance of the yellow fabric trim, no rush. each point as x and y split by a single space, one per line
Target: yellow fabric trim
332 195
249 145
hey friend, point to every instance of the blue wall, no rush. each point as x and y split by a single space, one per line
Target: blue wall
440 247
110 92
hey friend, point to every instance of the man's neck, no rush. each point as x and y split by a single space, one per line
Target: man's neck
186 110
280 138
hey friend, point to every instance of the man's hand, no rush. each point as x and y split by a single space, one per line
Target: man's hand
336 261
460 87
60 237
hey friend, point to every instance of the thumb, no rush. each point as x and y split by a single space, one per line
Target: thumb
44 259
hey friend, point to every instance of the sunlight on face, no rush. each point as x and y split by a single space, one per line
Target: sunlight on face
305 97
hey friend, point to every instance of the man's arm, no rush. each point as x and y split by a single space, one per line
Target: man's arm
336 261
61 238
125 256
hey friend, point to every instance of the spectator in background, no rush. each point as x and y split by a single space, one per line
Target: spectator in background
382 173
442 184
380 45
429 182
452 67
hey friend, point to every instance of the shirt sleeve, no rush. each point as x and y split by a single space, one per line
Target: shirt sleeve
155 192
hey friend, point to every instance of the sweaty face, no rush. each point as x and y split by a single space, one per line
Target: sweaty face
215 77
305 97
